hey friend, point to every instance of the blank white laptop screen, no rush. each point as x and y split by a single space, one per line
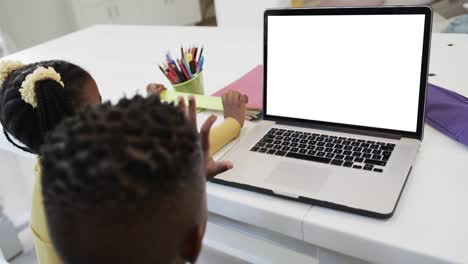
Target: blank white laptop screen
350 69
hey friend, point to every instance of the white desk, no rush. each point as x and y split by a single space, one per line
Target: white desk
429 224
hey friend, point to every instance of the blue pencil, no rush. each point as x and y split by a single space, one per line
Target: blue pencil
200 64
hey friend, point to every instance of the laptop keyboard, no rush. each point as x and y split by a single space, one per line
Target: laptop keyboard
338 151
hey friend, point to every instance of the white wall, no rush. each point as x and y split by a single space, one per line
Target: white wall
245 13
30 22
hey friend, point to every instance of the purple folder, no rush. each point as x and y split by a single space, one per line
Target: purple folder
447 112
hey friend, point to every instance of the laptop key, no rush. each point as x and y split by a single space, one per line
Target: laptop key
269 145
262 150
308 157
294 150
387 153
349 158
255 148
320 154
303 151
277 147
348 164
271 151
368 168
311 147
357 167
375 162
266 140
387 148
303 146
329 150
286 148
260 144
330 155
378 170
347 152
359 160
339 157
294 145
337 162
312 152
320 148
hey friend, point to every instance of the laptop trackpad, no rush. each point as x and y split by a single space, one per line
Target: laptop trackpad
292 176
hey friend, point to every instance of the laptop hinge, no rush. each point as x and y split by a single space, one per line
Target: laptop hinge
295 196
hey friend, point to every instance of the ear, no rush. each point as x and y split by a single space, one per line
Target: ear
193 244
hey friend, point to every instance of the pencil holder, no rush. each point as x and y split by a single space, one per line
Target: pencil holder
193 86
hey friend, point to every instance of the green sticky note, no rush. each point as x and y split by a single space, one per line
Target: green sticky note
203 101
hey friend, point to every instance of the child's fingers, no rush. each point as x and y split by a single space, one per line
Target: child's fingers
218 168
205 133
193 110
182 105
245 98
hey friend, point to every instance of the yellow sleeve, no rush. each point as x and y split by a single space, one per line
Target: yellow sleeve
45 251
223 134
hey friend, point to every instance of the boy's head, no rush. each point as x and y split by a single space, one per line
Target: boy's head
125 184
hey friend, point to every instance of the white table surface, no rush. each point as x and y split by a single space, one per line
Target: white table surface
429 224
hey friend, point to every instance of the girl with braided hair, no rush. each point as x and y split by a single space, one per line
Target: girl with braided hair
35 98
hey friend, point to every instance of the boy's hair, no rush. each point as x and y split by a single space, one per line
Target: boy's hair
29 125
112 176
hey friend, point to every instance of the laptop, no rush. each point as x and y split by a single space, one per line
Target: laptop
344 106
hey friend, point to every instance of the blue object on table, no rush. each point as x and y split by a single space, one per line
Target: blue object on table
458 25
447 112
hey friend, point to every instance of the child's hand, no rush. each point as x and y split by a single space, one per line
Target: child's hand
234 105
212 167
155 89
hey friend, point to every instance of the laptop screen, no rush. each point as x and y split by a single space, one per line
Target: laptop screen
362 70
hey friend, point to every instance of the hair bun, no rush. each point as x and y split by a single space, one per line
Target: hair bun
7 67
27 90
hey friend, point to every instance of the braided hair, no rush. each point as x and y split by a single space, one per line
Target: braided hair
29 125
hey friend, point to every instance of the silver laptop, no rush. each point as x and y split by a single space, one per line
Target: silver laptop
344 103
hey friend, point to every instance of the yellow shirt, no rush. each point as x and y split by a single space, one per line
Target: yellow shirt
219 136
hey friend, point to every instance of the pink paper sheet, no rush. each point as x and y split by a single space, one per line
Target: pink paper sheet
250 84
